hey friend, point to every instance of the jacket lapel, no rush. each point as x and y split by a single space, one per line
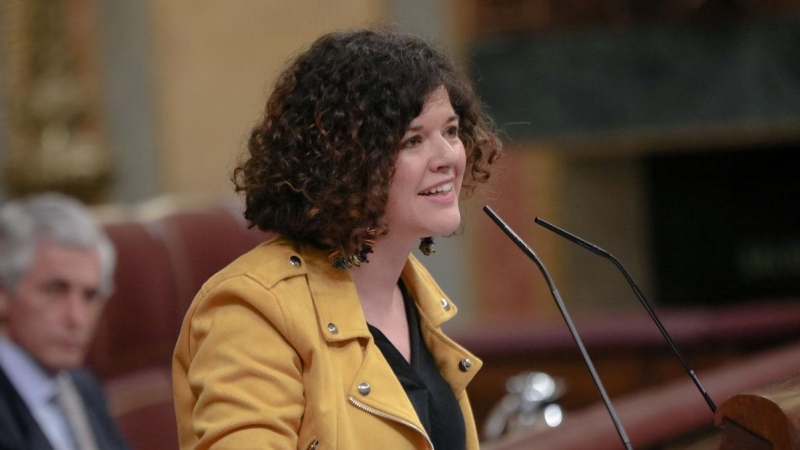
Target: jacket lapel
339 313
342 324
435 309
19 429
103 428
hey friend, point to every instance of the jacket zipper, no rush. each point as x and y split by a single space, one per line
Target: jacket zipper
363 407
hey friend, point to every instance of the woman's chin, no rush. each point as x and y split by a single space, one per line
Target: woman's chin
446 227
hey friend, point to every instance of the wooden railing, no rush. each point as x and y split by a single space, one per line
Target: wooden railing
768 416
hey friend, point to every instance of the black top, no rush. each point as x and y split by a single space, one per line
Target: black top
431 396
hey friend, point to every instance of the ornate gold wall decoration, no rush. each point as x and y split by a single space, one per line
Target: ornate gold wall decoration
54 127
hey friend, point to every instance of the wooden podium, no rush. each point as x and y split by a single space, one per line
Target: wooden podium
767 418
753 417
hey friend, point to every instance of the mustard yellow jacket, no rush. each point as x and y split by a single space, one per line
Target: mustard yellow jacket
275 353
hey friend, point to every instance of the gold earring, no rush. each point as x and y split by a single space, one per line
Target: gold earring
427 246
339 261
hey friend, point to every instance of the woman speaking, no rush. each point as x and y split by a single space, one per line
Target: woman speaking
328 337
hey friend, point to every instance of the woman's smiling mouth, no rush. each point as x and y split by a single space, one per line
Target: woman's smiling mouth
439 190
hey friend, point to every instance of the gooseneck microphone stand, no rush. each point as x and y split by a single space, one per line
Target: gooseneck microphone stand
557 297
599 251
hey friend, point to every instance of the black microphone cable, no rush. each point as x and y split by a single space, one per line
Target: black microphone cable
557 297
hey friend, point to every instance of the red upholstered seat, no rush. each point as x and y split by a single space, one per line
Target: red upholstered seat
200 243
137 328
166 249
141 403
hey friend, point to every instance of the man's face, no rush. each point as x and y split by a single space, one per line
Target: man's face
53 313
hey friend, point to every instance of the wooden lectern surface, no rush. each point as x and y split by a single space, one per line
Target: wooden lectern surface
660 414
771 413
735 437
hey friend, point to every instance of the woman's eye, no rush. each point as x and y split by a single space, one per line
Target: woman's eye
413 141
452 132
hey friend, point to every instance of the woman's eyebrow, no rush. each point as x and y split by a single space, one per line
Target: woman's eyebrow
453 118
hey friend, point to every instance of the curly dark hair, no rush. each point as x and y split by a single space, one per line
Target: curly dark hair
320 162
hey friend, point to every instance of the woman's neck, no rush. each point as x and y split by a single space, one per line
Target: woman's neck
381 299
376 281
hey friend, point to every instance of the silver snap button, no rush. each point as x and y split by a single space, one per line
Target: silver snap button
364 389
445 304
333 328
295 261
465 365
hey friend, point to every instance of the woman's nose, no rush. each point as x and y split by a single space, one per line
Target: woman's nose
445 154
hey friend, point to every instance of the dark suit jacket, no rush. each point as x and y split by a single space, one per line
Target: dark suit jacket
19 430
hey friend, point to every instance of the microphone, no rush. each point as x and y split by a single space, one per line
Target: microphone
557 297
599 251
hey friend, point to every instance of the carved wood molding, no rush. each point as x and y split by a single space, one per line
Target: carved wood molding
52 89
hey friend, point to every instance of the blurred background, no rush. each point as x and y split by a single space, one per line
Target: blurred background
666 132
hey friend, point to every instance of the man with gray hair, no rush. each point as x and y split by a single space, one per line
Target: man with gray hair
56 272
